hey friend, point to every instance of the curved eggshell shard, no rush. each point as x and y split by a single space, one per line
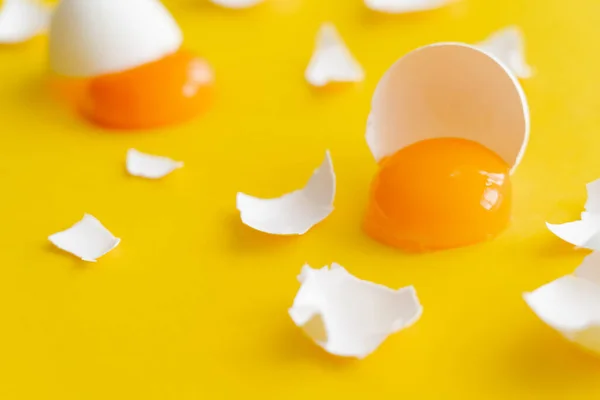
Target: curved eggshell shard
237 4
590 268
293 213
21 20
449 90
570 304
97 37
150 166
584 233
332 61
88 239
405 6
347 316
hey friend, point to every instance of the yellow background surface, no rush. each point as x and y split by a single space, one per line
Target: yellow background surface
193 305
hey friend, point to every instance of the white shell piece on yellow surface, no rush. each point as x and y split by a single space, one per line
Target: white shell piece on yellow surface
508 46
88 239
585 232
236 3
20 20
571 304
590 268
150 166
331 60
293 213
404 6
449 90
347 316
96 37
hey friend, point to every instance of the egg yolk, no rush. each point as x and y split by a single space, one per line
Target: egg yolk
439 194
170 90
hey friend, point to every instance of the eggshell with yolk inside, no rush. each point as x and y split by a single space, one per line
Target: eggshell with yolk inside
449 90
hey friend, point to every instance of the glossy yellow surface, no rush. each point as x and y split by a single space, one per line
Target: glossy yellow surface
193 305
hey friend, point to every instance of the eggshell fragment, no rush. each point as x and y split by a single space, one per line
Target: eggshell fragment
96 37
236 3
584 233
331 60
404 6
88 239
21 20
149 166
347 316
449 90
508 46
571 304
293 213
590 268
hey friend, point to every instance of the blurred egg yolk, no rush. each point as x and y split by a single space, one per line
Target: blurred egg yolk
439 194
170 90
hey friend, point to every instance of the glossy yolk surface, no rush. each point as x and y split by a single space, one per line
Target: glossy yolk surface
170 90
439 194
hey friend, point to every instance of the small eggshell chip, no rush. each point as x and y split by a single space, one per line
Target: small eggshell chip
293 213
236 3
584 233
571 304
331 60
508 46
97 37
88 239
20 20
347 316
149 166
404 6
449 90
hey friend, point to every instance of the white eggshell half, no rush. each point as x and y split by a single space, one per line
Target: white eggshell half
293 213
150 166
404 6
571 304
88 239
449 90
21 20
96 37
331 60
584 233
236 3
347 316
508 45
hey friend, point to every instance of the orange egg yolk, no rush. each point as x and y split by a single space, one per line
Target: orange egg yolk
439 194
170 90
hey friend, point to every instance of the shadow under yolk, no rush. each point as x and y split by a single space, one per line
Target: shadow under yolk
173 89
439 194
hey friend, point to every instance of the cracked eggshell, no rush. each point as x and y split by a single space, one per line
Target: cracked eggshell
405 6
21 20
571 304
449 90
97 37
584 233
332 61
236 4
150 166
294 213
88 239
348 316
